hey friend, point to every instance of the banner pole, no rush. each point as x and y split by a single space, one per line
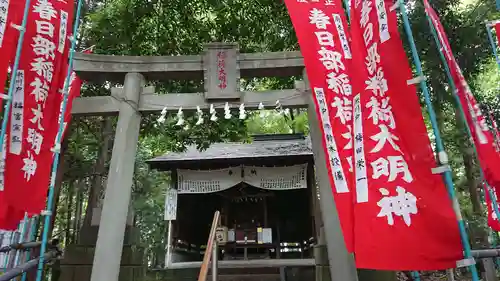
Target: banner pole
494 125
31 238
13 75
8 254
462 112
21 226
57 145
348 10
493 237
21 237
492 43
497 239
443 157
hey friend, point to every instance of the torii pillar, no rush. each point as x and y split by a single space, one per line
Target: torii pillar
108 251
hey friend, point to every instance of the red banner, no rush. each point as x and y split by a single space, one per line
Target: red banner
34 121
11 12
321 30
493 221
405 220
9 217
74 89
483 138
497 30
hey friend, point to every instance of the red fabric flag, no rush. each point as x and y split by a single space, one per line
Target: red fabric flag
497 30
493 221
483 138
9 217
405 220
321 30
74 89
11 12
34 121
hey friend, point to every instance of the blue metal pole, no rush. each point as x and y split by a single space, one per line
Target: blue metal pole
57 153
7 254
493 235
31 238
496 239
13 74
11 241
21 238
494 243
492 43
439 143
453 87
346 4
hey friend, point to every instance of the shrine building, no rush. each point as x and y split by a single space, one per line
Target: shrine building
265 191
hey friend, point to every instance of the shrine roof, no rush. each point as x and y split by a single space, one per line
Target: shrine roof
265 150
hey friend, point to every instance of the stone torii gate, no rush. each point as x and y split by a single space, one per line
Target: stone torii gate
135 99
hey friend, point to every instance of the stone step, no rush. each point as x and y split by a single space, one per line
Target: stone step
240 274
248 271
246 277
230 277
82 273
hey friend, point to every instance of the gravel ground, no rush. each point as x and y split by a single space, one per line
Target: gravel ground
431 276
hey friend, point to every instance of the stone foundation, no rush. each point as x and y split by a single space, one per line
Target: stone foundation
237 274
77 261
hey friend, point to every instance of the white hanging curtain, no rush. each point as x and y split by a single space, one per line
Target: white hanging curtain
207 181
277 178
270 178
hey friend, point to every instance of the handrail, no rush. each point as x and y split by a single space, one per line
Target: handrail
51 254
210 249
26 246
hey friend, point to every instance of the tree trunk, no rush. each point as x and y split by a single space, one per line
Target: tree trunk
58 185
69 211
78 210
479 234
437 104
468 155
100 169
472 183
